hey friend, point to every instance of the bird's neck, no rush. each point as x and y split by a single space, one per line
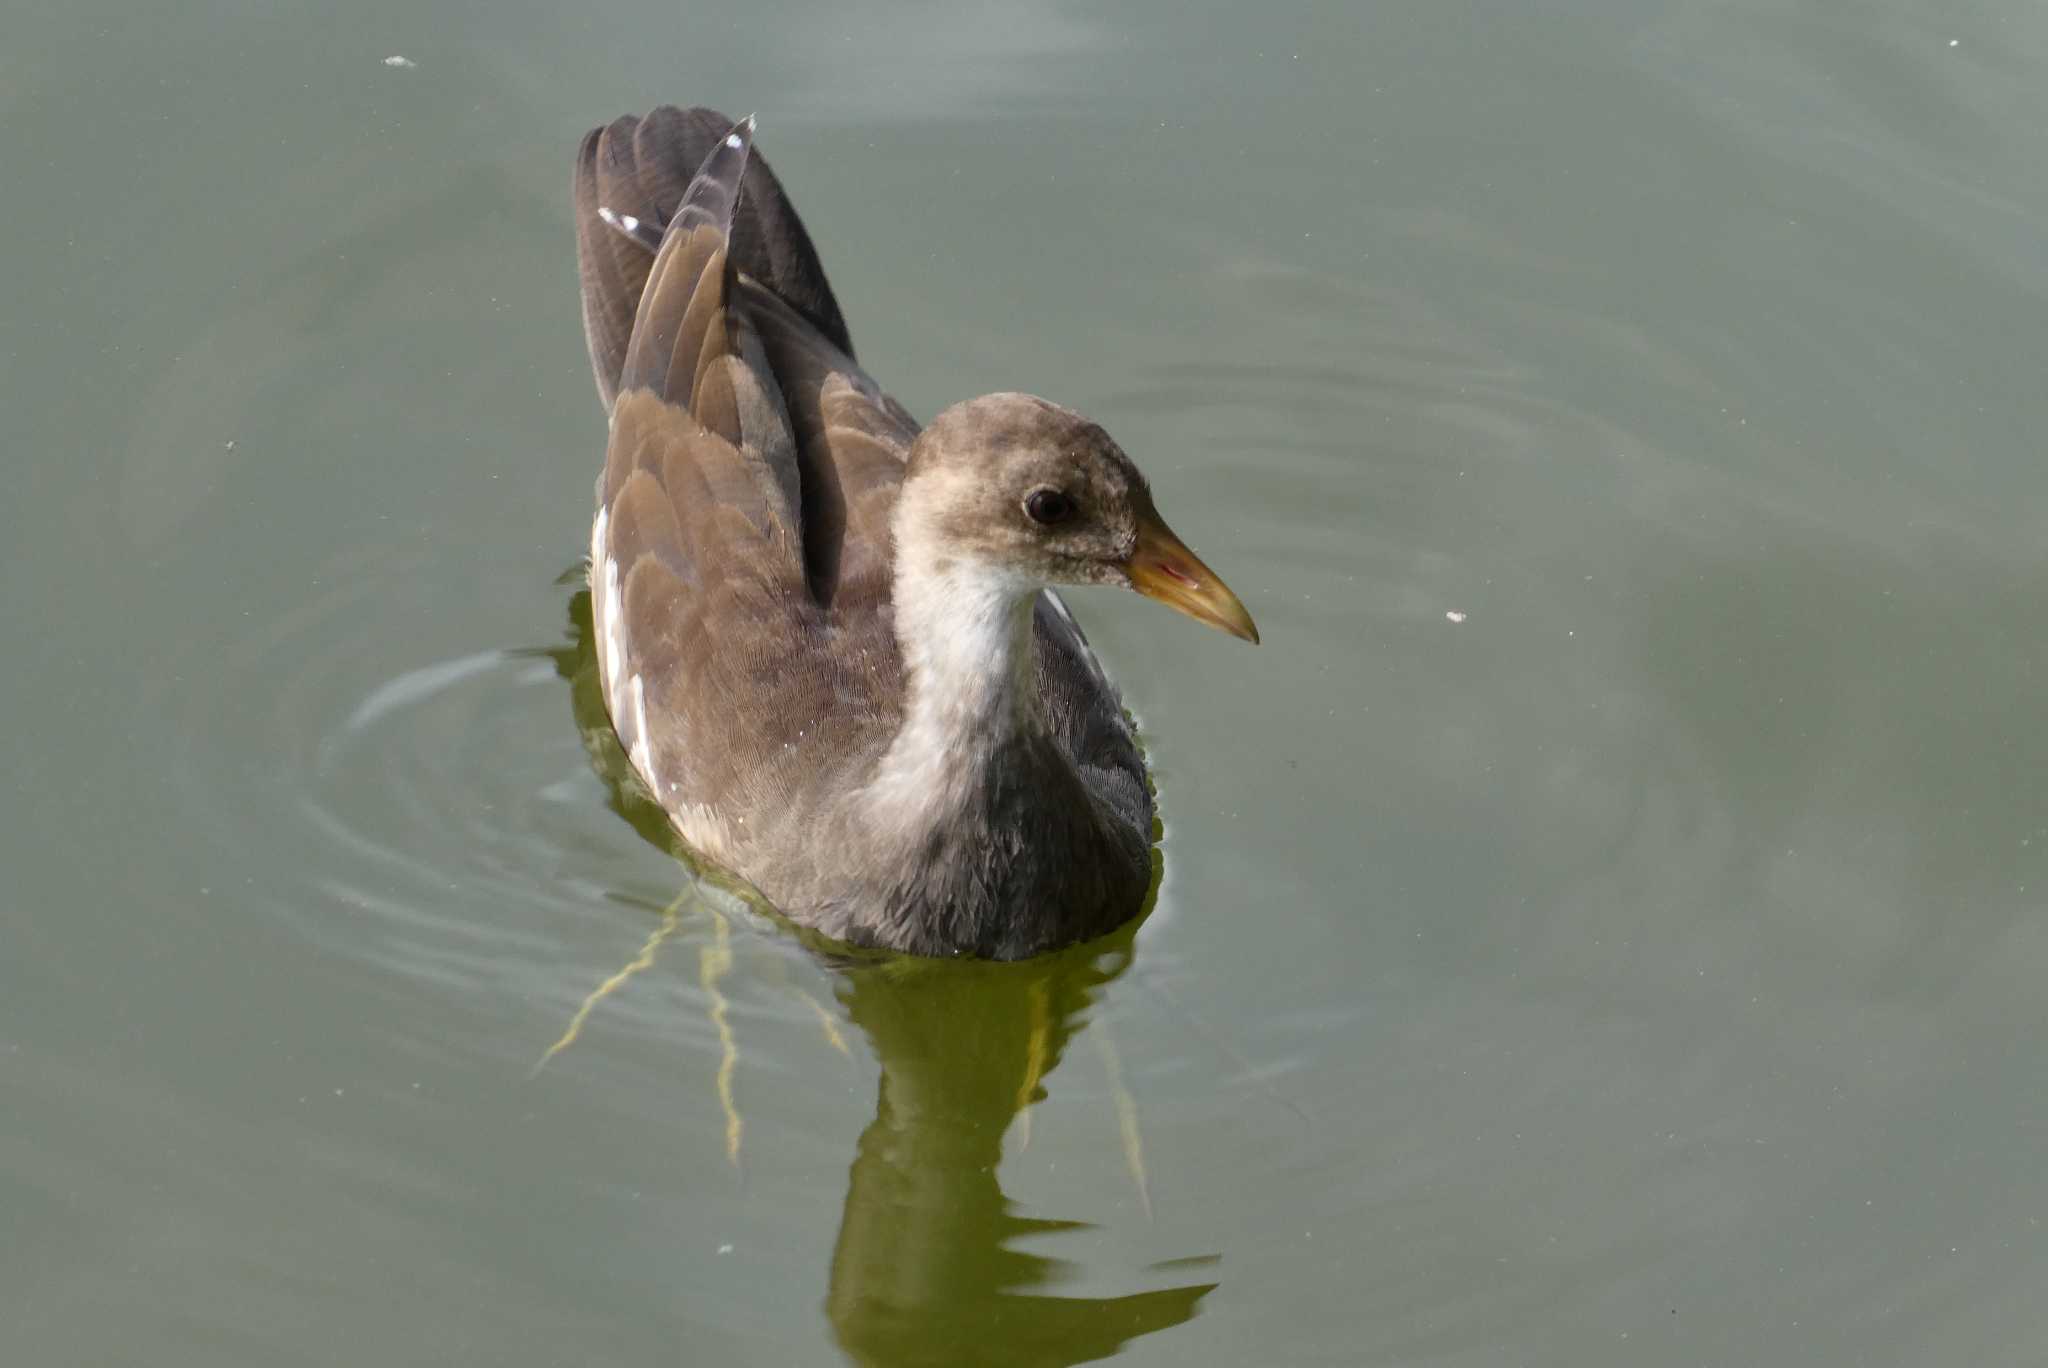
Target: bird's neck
964 631
996 846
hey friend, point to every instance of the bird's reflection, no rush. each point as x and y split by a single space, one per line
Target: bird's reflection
926 1269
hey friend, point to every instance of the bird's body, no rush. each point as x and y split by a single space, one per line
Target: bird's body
824 636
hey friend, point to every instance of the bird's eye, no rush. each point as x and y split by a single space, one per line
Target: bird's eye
1049 506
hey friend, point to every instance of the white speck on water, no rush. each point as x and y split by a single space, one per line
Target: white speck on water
1954 42
396 61
1453 615
725 1249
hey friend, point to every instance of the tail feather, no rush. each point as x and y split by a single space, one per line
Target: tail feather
695 352
713 197
685 322
639 169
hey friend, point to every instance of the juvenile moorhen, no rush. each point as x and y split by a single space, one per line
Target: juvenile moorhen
825 637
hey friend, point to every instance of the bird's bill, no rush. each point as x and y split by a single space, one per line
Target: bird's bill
1162 568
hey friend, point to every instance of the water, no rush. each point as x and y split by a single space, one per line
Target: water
1644 969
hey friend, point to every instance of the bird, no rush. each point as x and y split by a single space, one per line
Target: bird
828 638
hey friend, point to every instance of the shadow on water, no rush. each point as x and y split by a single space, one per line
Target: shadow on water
924 1270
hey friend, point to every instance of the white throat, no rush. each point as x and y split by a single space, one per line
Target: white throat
964 628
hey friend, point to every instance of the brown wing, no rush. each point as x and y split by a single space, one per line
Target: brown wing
852 441
698 598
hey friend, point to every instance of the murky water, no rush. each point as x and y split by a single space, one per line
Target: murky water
1602 925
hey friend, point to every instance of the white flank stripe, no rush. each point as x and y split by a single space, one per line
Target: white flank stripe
597 563
614 627
643 747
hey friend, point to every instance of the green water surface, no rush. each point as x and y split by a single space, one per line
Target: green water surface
1603 925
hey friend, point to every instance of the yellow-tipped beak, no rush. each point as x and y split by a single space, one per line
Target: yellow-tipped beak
1163 568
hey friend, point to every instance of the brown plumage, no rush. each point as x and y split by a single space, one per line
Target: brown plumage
825 637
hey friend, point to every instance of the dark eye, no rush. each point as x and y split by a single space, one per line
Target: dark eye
1049 506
